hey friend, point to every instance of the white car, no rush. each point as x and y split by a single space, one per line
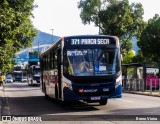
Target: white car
9 80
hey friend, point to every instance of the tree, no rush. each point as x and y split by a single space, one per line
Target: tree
16 29
114 17
128 56
149 41
139 58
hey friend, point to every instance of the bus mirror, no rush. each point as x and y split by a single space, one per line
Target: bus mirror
121 57
55 73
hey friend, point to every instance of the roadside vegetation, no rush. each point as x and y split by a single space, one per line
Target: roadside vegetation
125 20
16 30
113 17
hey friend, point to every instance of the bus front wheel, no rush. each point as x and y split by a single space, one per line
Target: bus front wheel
103 101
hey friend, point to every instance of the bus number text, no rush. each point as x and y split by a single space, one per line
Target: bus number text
89 41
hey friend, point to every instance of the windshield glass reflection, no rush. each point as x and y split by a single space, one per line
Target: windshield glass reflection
91 62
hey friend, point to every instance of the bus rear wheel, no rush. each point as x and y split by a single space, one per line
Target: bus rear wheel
103 101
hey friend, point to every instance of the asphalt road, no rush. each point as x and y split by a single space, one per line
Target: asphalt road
21 100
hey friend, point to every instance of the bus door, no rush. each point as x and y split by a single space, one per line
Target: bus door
59 72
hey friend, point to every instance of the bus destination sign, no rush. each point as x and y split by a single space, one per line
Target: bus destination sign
90 41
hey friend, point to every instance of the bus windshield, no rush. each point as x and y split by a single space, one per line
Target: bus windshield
91 62
36 71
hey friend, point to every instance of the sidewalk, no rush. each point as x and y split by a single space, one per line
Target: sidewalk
147 93
1 95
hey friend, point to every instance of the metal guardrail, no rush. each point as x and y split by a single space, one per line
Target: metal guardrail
140 85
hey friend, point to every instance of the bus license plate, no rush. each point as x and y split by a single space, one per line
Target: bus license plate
95 98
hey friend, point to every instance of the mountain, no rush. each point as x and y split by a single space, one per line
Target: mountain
44 38
41 39
47 39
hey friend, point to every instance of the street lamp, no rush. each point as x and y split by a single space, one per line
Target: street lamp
52 31
52 34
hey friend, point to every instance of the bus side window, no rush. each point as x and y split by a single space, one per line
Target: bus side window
52 59
55 59
59 56
48 61
45 62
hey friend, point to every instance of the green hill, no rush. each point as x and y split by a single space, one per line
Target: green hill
44 38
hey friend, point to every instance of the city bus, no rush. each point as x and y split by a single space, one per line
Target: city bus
82 68
20 76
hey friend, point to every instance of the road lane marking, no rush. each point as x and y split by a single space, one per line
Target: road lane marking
124 100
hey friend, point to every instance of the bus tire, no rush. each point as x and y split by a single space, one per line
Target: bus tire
103 101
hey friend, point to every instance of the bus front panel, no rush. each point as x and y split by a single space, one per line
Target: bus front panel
91 69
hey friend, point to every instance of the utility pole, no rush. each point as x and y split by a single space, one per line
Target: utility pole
52 31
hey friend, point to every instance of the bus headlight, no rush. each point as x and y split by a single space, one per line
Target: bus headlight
118 81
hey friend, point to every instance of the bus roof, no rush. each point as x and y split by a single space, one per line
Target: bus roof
74 36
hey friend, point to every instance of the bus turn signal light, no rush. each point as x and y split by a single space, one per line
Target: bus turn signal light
81 90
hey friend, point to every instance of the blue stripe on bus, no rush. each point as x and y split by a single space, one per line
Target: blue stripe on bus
69 95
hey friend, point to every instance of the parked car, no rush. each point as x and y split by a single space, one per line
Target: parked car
9 80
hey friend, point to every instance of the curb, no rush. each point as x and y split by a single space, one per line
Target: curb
143 93
1 95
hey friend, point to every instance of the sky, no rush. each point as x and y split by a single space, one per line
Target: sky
62 17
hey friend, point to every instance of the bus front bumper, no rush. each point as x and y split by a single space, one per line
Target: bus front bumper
69 95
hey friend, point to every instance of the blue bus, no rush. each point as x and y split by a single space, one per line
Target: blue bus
20 76
83 67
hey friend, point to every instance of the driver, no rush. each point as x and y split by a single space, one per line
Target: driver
84 67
